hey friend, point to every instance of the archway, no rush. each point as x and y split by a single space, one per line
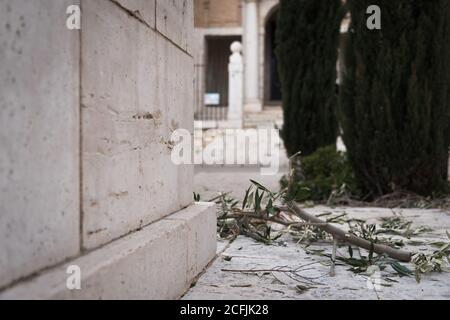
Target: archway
272 85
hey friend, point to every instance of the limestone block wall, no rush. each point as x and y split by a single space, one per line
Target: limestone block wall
137 87
39 137
86 118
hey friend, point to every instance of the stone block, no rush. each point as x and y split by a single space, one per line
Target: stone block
39 137
133 98
201 223
176 97
156 262
143 9
175 20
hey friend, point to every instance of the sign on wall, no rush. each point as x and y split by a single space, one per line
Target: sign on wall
212 99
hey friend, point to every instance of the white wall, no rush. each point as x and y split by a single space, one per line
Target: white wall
77 173
39 137
137 89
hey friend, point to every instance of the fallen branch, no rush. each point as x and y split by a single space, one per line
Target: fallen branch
259 217
349 238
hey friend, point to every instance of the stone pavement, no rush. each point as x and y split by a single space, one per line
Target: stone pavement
210 181
246 254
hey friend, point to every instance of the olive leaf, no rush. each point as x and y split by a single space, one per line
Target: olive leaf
350 251
247 193
401 269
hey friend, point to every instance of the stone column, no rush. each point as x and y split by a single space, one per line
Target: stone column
236 86
251 57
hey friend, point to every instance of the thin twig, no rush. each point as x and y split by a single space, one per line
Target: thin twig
333 258
293 274
269 219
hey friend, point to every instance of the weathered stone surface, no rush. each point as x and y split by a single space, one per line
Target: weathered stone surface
154 263
247 254
143 9
176 98
39 135
136 91
174 19
201 223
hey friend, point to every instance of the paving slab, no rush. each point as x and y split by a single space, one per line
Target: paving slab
210 181
243 254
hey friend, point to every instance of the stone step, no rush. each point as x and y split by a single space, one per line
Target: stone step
158 262
266 118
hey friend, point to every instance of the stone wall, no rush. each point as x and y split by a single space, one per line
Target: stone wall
132 101
39 137
86 118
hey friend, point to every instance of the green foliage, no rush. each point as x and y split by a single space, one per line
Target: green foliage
258 205
262 209
438 261
323 172
307 49
395 96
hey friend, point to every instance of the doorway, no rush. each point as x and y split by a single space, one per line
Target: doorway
272 84
217 59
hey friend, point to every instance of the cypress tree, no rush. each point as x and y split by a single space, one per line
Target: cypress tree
307 49
394 102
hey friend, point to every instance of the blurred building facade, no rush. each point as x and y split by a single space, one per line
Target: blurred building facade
218 24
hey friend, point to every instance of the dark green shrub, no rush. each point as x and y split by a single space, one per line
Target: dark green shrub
394 103
307 49
323 172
